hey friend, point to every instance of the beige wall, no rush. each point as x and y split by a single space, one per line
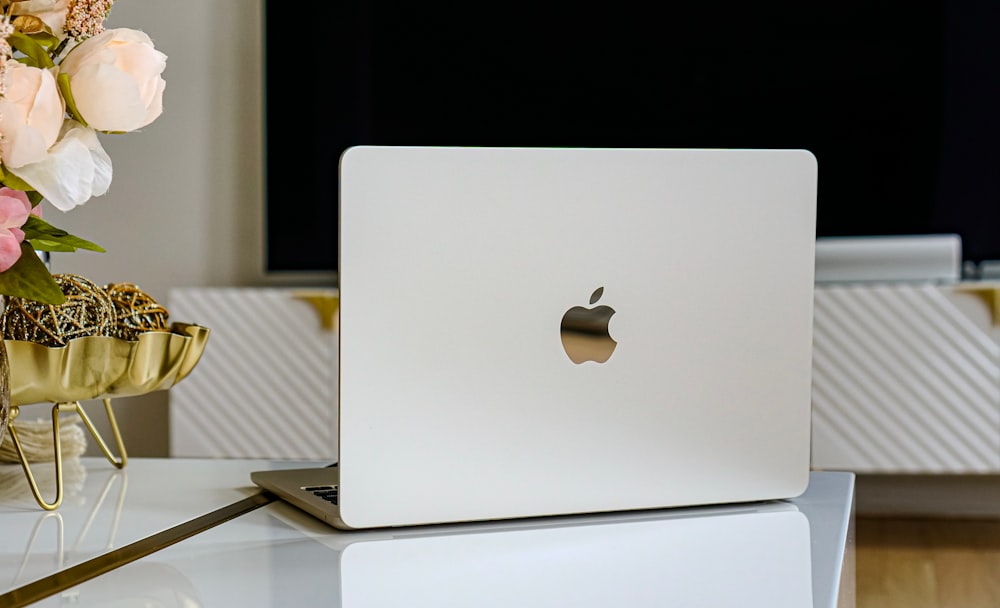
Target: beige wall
185 204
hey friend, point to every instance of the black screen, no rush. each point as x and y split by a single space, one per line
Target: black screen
896 99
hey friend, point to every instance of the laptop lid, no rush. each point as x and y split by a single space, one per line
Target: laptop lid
469 277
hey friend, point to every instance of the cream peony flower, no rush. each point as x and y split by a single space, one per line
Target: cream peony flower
116 81
76 169
31 115
52 12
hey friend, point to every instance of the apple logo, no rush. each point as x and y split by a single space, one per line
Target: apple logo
584 331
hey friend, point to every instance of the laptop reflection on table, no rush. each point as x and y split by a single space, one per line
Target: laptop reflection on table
757 555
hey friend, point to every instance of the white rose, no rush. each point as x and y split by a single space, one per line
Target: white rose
31 115
116 81
76 169
51 12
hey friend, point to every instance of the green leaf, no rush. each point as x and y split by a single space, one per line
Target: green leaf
46 237
37 56
43 245
12 181
46 39
67 94
29 278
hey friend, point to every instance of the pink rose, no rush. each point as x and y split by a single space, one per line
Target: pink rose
14 210
116 80
31 114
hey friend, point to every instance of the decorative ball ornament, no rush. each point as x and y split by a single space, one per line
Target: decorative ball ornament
87 311
135 311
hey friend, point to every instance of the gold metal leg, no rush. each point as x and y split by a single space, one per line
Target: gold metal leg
48 506
73 406
123 458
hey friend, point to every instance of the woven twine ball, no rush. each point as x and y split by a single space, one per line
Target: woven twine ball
87 311
135 311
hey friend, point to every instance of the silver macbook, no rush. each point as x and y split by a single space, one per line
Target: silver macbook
547 331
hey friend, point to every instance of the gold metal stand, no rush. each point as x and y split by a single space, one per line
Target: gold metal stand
96 367
75 407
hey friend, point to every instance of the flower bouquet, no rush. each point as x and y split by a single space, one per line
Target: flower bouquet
64 79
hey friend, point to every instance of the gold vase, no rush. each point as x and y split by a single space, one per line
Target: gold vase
4 381
4 389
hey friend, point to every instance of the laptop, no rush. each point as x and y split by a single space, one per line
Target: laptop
529 332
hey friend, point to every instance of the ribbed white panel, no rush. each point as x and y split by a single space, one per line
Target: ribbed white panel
266 385
903 381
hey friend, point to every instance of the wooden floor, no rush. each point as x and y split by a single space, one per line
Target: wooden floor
927 563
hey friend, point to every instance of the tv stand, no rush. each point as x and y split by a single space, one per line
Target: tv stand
907 377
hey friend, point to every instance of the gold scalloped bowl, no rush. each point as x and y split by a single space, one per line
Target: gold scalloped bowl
97 367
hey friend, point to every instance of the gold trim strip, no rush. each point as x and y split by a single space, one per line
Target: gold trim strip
92 568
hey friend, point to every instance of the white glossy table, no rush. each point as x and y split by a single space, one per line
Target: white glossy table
193 532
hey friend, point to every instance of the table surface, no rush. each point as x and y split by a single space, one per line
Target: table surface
197 532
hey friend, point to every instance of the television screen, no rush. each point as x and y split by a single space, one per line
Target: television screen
895 99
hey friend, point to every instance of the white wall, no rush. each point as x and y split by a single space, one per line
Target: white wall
185 206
